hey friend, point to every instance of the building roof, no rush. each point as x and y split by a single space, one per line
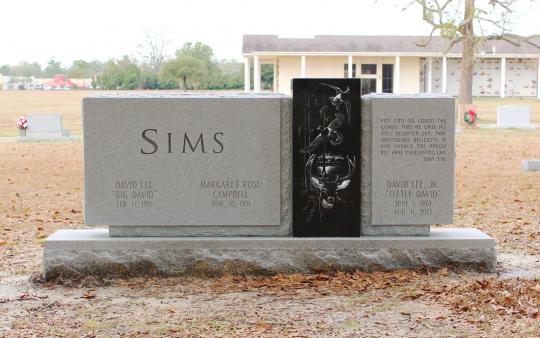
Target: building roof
60 80
373 44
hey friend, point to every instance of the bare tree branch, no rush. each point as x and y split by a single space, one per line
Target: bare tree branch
428 40
491 17
153 49
454 41
504 4
515 40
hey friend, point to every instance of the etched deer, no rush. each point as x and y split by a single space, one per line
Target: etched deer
328 186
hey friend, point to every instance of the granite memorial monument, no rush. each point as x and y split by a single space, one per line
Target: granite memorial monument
203 184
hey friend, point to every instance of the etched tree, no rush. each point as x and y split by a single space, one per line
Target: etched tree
457 20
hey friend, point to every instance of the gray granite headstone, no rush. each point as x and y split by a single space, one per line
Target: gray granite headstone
530 165
187 164
514 116
44 126
407 163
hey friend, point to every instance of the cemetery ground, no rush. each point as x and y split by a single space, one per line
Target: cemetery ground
41 191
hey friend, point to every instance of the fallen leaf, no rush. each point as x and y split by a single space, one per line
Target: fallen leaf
88 295
263 325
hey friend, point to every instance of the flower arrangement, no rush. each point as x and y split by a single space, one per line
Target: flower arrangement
22 122
470 117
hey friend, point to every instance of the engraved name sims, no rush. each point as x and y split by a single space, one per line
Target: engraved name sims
194 143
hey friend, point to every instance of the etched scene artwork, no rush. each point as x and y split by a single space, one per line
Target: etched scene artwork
326 157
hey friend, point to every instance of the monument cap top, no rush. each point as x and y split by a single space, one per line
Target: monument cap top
178 95
406 96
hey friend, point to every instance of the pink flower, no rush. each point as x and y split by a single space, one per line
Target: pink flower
22 122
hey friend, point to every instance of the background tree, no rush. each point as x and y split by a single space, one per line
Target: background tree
149 79
53 67
211 74
5 70
110 77
198 50
457 20
186 69
153 50
79 70
230 75
194 66
120 74
26 69
95 68
130 73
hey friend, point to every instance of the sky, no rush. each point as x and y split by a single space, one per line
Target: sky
101 30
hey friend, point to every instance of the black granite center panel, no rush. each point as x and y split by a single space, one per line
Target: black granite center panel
326 157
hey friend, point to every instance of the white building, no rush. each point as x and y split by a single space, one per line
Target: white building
393 64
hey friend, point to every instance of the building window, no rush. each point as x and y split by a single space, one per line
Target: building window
368 86
388 78
346 70
369 69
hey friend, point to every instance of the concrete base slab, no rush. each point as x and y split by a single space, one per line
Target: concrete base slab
395 230
199 231
73 253
530 165
34 138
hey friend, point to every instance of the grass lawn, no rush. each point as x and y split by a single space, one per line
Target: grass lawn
68 103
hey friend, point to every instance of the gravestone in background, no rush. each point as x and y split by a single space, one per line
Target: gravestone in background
44 127
513 116
187 164
407 163
530 165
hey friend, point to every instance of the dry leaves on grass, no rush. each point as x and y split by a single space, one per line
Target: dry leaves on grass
23 297
493 193
490 297
338 283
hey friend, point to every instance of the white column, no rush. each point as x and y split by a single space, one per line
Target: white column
349 67
303 66
397 71
256 74
275 76
444 66
247 75
538 79
429 74
503 78
378 83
